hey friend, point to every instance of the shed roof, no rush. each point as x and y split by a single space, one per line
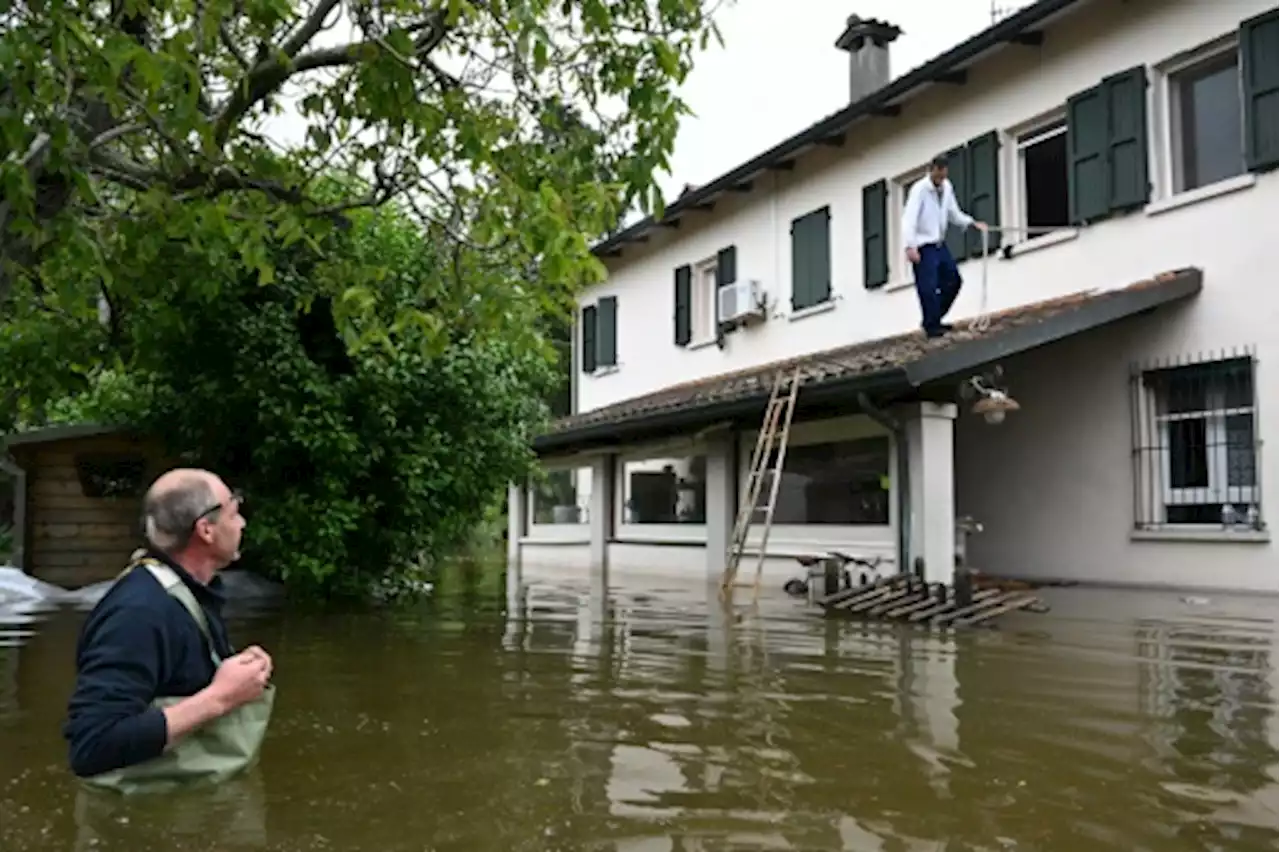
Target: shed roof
891 366
51 434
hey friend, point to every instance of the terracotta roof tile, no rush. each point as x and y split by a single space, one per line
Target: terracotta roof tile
861 359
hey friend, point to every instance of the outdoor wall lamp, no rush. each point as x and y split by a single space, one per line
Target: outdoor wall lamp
993 403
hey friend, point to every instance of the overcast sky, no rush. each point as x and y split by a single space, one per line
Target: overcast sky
779 71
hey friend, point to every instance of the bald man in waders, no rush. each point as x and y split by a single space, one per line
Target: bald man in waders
931 206
162 701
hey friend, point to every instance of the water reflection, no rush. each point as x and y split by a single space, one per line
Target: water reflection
549 716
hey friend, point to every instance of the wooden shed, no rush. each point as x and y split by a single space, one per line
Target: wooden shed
79 500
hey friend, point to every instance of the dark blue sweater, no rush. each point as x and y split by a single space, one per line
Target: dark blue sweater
137 644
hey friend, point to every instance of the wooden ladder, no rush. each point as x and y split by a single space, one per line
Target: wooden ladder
774 434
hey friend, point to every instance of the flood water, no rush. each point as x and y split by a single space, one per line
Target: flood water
549 717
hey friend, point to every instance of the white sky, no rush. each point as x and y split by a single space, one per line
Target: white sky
779 71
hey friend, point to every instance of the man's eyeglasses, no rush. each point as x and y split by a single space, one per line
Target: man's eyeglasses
236 497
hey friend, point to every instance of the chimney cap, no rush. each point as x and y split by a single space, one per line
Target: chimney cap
858 29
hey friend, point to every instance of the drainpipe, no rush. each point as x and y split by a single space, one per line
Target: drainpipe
899 432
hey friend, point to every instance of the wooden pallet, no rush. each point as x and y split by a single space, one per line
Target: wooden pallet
907 599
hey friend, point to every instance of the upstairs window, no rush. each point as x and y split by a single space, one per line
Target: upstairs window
599 338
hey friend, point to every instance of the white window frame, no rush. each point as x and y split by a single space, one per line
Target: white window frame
1016 140
702 279
824 432
900 274
579 532
1164 111
655 533
1218 490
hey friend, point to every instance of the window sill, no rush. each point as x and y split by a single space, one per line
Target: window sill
601 372
812 310
1214 536
701 344
898 285
551 541
1043 241
1202 193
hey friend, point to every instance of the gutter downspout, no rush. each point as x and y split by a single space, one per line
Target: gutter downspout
899 432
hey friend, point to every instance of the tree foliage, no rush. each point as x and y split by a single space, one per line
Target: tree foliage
513 131
356 466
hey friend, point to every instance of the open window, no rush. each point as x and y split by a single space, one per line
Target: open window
1043 193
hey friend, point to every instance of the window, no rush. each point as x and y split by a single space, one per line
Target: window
1044 199
811 259
1198 446
697 295
875 235
563 497
110 475
600 334
841 482
1206 122
665 490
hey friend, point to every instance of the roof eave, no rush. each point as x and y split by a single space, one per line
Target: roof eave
1170 288
660 423
879 102
51 434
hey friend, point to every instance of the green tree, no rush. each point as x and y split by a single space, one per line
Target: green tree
513 131
357 466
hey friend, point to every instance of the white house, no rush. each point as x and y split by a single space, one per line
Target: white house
1136 327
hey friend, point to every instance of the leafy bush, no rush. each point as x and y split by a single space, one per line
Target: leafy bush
357 466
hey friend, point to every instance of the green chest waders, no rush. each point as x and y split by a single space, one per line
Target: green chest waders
213 752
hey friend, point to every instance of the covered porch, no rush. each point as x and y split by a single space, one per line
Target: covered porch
653 484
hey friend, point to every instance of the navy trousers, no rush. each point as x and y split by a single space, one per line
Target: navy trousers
937 284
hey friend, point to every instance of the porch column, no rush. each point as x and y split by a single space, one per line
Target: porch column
721 502
517 512
930 431
601 515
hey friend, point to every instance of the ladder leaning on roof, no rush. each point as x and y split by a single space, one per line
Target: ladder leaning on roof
774 434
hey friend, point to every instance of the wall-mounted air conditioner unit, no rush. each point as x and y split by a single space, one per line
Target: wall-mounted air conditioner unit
741 303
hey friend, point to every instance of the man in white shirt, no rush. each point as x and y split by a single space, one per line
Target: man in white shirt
931 206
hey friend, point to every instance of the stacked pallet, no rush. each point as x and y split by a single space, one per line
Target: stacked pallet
908 599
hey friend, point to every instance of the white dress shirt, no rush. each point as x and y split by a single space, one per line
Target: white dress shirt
928 211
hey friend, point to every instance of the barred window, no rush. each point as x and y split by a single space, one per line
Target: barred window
1196 445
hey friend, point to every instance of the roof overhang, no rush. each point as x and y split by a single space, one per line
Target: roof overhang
900 367
1023 27
52 434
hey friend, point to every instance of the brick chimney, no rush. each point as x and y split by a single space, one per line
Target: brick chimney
867 42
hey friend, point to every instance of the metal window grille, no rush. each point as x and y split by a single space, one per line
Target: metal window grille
1196 445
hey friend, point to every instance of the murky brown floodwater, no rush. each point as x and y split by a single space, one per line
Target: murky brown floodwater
1119 721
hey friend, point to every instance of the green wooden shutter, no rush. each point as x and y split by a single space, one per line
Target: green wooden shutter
875 246
958 174
811 259
1126 95
1259 59
607 338
589 323
984 191
726 266
684 305
1087 139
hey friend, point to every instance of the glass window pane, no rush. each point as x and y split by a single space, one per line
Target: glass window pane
671 490
843 482
1188 461
563 498
1210 131
1240 470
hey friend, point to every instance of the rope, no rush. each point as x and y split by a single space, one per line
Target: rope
982 321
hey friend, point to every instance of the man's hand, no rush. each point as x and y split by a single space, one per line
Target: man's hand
981 226
239 680
913 254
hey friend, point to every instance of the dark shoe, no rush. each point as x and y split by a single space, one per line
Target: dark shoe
936 332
